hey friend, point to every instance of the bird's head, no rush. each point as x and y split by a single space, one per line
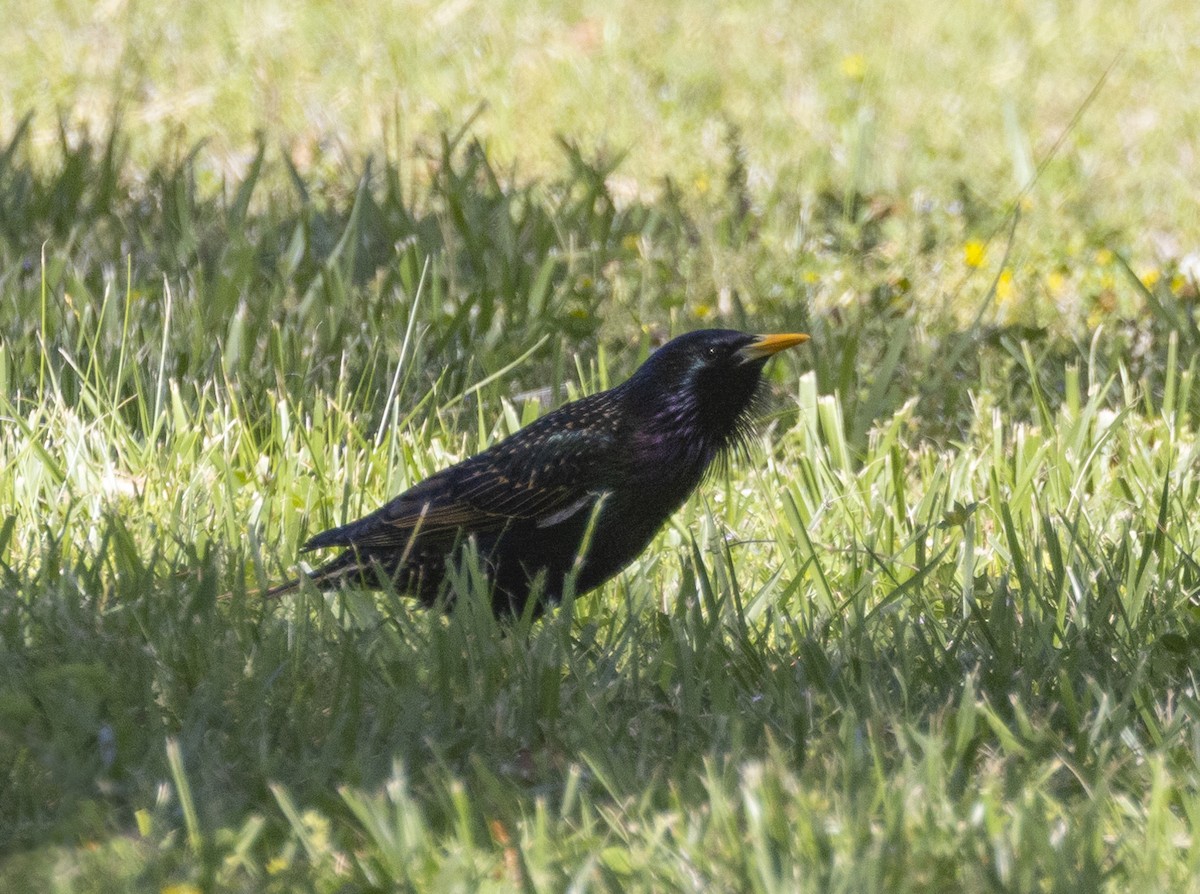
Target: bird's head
701 386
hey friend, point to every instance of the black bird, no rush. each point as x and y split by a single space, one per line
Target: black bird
580 491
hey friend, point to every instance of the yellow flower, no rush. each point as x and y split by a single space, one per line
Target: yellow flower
854 66
703 311
702 184
810 277
975 253
1056 282
1005 290
1150 277
1104 257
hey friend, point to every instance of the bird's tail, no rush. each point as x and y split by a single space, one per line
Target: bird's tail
289 586
323 577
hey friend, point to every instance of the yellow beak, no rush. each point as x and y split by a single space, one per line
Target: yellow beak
766 345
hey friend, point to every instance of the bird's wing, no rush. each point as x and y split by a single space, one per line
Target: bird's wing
544 474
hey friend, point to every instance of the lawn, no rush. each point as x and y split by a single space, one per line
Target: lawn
262 266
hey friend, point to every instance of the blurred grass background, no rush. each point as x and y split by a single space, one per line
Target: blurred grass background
880 97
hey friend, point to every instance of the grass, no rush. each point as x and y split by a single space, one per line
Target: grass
936 633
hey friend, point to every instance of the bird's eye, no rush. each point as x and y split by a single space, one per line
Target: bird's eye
711 352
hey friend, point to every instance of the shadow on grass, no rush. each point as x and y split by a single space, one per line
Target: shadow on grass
107 659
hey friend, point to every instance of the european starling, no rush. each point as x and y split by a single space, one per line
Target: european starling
580 491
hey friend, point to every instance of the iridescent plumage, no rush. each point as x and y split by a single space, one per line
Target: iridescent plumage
580 491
